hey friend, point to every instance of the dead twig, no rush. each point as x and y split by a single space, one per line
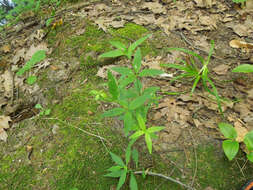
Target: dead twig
166 177
84 131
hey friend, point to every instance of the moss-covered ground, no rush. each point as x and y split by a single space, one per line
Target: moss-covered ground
70 158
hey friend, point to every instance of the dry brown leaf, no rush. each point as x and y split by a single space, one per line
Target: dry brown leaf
6 48
8 83
204 3
221 69
4 124
155 7
18 55
240 44
241 131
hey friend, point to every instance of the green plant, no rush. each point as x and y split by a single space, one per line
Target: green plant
43 111
134 102
239 1
244 68
231 145
190 69
36 58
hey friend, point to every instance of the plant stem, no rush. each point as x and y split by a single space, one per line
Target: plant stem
166 177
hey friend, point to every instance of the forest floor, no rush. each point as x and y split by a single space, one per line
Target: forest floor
68 149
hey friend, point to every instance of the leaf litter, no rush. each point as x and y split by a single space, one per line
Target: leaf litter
195 23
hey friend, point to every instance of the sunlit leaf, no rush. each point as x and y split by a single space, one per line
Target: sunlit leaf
230 148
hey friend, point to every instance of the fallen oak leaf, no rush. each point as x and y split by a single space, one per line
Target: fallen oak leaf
240 44
4 124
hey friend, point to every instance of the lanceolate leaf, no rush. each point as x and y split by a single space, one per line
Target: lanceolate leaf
137 60
244 68
114 173
230 148
113 112
133 182
150 72
128 154
128 122
122 179
117 159
154 129
123 70
112 85
148 142
133 46
227 130
114 168
139 101
118 45
141 122
113 53
136 134
135 156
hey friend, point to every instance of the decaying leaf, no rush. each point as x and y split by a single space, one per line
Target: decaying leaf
4 124
241 131
240 44
6 48
221 69
8 83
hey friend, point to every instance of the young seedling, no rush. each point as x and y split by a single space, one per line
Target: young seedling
231 146
191 70
36 58
43 111
134 102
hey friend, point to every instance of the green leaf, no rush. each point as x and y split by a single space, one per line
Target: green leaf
118 45
128 154
151 90
113 112
195 83
47 112
244 68
31 80
141 122
137 60
150 72
133 46
128 122
49 21
135 156
114 168
37 57
38 106
127 81
250 156
117 159
122 70
210 53
228 130
122 179
113 53
154 129
230 148
139 101
133 182
114 174
136 134
112 85
248 140
148 142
